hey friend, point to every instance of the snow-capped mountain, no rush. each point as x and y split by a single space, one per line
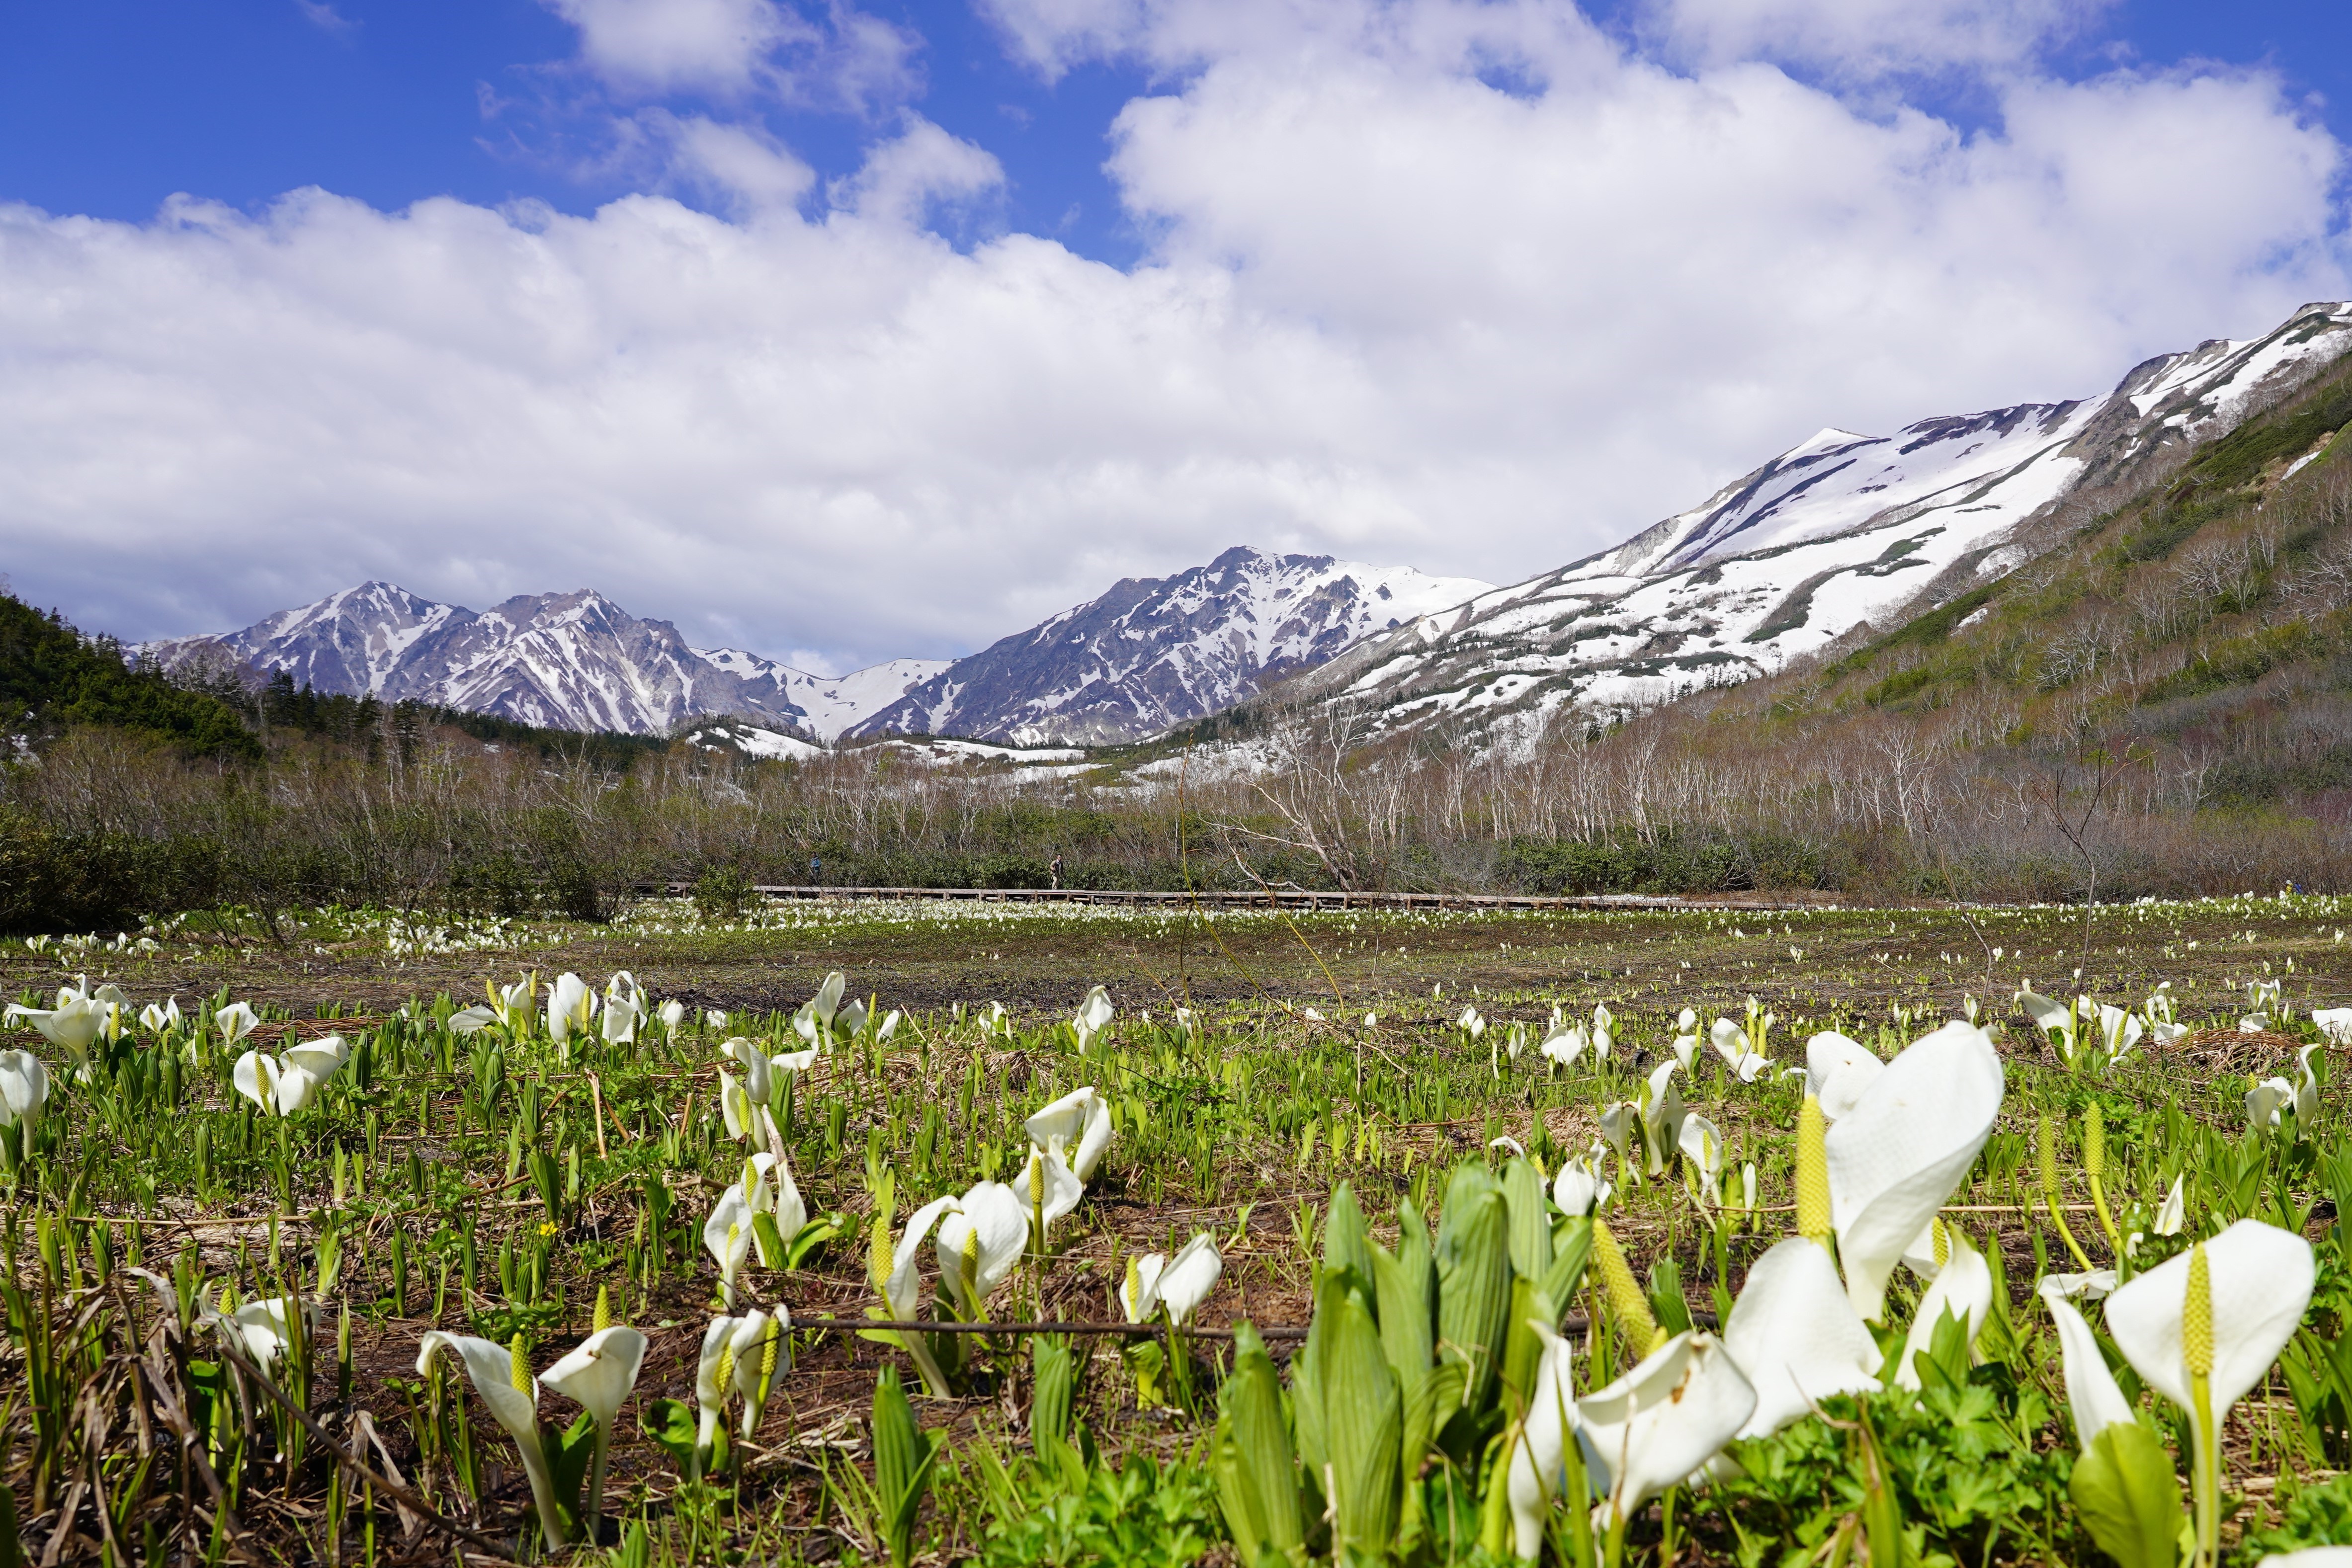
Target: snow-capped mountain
567 660
1837 531
827 703
1155 652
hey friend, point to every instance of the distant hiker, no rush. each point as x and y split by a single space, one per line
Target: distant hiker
1054 871
815 866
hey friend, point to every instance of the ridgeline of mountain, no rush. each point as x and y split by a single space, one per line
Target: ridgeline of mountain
1155 652
560 661
1838 534
1145 655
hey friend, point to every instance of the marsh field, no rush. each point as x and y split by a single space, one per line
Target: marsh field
1358 1236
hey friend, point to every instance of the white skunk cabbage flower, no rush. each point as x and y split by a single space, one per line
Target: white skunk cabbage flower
162 1020
599 1373
1076 1126
2173 1211
2260 1280
512 1395
1178 1285
1580 1188
1796 1337
980 1237
571 1008
672 1014
1903 1149
72 1026
1094 1016
2307 1092
2336 1023
1962 1288
1563 1045
1662 1115
1685 1050
1050 1190
625 1009
236 1021
1701 1142
23 1088
1604 1024
727 1237
1655 1426
1837 1070
1472 1022
2093 1399
291 1082
1617 1126
2265 1101
1730 1042
265 1329
2052 1018
2119 1032
1537 1472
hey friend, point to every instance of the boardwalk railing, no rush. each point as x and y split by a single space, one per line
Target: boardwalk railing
1278 898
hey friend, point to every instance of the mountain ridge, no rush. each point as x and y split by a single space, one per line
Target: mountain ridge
1810 546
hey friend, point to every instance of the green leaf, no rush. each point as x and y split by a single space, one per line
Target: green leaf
1363 1429
814 1235
1523 1194
1405 1287
1257 1481
670 1423
1666 1302
568 1453
1345 1245
2128 1497
1522 1348
903 1456
768 1239
1571 1244
1474 1282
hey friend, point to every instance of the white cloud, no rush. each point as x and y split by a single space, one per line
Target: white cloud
1392 311
1866 37
732 49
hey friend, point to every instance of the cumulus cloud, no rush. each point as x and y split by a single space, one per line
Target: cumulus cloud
737 48
1471 288
1870 38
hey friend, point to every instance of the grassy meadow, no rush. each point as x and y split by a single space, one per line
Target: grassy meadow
1444 1235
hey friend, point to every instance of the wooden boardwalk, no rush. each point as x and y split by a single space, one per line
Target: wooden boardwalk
1280 898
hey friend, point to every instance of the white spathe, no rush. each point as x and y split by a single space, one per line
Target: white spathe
1076 1126
1537 1462
599 1373
2093 1399
990 1223
2262 1279
490 1367
1903 1148
1662 1420
1796 1336
24 1087
1962 1288
1837 1070
1178 1284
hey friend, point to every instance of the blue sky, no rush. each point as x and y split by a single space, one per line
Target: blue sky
844 329
107 106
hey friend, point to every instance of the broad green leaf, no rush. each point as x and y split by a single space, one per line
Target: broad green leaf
1523 1193
2128 1497
1345 1245
1257 1481
670 1423
1571 1244
1363 1428
1474 1285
